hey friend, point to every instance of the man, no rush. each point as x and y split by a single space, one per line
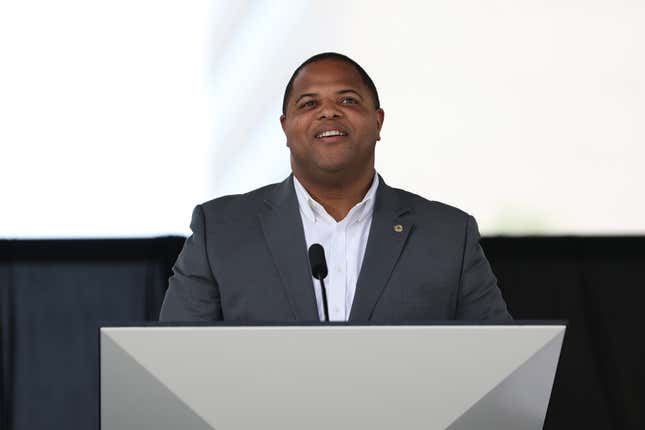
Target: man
392 255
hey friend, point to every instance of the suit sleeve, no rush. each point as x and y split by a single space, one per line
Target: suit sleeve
479 296
193 293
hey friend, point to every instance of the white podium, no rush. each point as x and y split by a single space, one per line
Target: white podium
328 377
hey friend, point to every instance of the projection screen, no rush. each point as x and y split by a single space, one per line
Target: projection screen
118 117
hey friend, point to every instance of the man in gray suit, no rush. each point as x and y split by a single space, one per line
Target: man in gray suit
393 256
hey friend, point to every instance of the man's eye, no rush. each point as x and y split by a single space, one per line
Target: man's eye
348 100
308 103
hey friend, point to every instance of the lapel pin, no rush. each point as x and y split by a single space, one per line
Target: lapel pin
398 228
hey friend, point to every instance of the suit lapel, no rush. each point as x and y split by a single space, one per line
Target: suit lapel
389 231
285 238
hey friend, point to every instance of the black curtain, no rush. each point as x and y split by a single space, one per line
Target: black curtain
598 285
54 294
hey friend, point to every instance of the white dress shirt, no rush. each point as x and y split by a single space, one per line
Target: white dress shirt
344 243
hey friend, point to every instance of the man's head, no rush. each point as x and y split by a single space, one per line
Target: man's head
332 119
332 56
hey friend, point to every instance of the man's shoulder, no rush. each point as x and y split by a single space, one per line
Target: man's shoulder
426 207
236 206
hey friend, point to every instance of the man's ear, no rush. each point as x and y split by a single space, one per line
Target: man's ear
283 123
380 117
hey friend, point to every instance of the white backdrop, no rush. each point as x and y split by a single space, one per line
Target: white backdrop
116 118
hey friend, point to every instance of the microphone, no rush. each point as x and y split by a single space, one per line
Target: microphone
319 271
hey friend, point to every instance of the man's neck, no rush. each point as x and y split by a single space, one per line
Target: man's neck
338 198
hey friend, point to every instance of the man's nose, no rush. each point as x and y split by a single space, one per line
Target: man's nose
329 109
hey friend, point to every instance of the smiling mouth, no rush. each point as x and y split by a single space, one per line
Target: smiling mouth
330 133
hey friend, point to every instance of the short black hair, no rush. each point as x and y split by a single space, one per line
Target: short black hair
332 56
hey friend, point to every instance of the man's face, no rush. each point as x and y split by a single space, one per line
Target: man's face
331 122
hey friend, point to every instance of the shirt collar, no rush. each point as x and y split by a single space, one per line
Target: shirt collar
315 212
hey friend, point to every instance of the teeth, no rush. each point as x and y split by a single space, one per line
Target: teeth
330 133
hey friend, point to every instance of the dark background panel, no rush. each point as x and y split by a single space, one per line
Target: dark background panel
56 352
55 293
597 284
551 290
6 345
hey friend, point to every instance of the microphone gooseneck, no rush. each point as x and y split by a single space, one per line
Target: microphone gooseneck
319 271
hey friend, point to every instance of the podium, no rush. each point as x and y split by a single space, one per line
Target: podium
338 376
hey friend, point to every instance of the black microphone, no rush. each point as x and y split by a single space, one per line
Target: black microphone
319 271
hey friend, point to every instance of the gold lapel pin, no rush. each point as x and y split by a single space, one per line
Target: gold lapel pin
398 228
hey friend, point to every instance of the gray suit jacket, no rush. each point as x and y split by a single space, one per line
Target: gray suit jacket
247 261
